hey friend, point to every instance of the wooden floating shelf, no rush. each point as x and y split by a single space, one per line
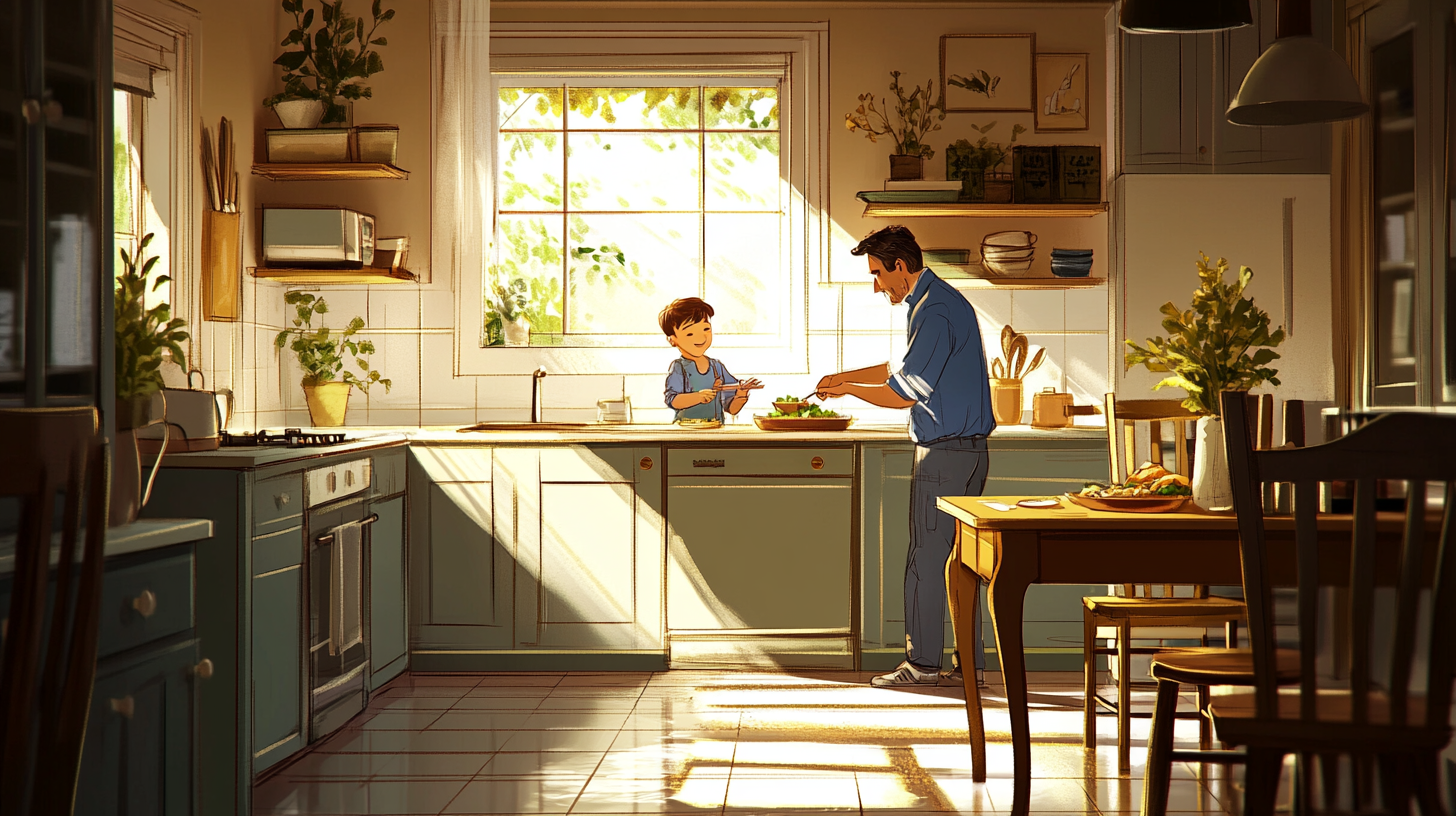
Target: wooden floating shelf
329 171
1025 283
976 210
367 274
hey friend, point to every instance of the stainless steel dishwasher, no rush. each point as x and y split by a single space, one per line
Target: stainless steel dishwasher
760 554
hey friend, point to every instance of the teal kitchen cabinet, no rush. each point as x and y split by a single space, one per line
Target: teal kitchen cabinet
387 643
277 684
536 557
1044 463
140 737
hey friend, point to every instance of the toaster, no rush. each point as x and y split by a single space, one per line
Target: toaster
328 237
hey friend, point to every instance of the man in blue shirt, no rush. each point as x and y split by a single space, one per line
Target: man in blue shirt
943 382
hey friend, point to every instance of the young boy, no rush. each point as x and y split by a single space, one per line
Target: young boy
698 387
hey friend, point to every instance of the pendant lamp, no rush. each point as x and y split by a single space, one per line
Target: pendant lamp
1298 80
1183 16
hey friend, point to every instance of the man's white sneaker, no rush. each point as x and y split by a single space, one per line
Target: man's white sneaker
906 675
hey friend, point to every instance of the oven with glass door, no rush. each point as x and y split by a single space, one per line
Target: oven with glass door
338 629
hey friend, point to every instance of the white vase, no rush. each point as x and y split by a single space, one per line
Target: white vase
517 332
1212 488
299 113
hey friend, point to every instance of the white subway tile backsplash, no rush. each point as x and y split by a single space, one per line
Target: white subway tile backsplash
1049 373
645 391
1087 309
824 355
396 358
397 416
439 387
503 392
393 309
993 307
824 300
343 304
437 308
1038 310
1087 370
449 417
579 391
867 310
865 349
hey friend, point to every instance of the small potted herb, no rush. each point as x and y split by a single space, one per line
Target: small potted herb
330 63
916 115
326 385
145 338
976 166
1223 343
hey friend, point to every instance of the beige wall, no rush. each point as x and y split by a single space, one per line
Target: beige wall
849 325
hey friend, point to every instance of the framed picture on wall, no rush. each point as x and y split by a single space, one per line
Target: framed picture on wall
987 72
1061 91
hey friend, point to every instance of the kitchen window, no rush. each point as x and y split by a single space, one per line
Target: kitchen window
613 199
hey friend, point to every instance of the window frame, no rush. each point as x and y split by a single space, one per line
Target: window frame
716 51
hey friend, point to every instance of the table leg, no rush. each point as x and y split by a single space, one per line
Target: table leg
965 605
1016 556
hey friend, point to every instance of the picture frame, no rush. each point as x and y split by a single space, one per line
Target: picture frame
985 73
1062 94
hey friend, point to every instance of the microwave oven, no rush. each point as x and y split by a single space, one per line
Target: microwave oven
317 237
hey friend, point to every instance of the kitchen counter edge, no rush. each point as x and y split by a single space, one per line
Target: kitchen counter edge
139 536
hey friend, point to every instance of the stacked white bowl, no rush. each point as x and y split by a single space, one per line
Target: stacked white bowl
1008 253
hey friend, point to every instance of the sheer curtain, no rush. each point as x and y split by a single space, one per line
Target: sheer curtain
461 211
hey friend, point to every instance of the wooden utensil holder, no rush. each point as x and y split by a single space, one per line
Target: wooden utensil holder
221 266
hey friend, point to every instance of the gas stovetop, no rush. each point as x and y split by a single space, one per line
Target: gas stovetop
288 438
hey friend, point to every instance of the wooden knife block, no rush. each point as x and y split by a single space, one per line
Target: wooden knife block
221 266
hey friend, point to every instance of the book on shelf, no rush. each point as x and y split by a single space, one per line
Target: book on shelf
923 184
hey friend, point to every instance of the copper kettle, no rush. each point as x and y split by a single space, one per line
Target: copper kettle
1053 409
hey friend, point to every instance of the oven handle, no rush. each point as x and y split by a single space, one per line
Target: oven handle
324 539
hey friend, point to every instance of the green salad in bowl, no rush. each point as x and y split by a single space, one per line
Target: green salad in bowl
804 411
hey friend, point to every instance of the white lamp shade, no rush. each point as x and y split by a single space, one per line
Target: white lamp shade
1297 81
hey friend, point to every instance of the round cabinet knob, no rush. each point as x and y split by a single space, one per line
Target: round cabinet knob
645 463
30 111
817 463
203 669
124 706
145 604
282 499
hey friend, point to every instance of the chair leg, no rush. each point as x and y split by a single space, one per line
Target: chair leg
1124 697
1330 780
1159 769
1205 724
1231 634
1427 768
1089 679
1395 789
1363 780
1261 781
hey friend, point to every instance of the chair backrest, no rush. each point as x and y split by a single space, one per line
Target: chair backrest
1415 448
50 452
1123 417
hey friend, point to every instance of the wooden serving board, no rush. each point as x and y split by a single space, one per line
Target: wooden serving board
1130 504
802 423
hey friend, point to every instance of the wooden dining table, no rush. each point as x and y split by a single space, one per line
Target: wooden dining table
1067 544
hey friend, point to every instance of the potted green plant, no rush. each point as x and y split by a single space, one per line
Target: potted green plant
326 385
1222 343
916 115
976 165
336 58
146 337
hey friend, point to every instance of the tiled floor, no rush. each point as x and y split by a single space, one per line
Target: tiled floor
692 742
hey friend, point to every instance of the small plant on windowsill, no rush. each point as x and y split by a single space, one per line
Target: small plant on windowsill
326 385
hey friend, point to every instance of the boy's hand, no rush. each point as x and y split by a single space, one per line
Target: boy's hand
706 396
742 387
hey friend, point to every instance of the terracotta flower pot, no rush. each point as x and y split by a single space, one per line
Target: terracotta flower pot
327 403
906 168
1006 401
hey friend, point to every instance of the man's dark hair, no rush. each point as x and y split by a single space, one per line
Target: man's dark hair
893 243
683 312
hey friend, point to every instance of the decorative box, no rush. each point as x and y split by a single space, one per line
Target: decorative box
1032 167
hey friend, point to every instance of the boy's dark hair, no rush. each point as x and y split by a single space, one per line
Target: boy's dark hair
682 312
891 244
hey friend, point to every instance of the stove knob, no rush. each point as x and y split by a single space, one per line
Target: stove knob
348 478
333 482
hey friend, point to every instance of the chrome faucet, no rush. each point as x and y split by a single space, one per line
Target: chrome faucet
536 378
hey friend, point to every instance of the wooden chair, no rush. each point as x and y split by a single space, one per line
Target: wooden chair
1140 608
1361 717
1204 668
50 451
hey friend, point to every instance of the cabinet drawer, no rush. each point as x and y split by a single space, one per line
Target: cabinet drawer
124 599
277 550
597 463
389 472
806 461
326 484
277 503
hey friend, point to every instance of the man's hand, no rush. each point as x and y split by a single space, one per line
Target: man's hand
831 386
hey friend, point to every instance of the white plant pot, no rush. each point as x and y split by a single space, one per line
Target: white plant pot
517 332
1212 488
299 113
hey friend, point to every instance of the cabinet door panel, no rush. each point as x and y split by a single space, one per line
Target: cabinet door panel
138 752
463 555
277 665
587 551
386 584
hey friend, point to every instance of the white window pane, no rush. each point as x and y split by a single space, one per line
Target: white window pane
530 108
531 169
742 171
632 108
528 268
659 262
746 278
634 171
742 108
